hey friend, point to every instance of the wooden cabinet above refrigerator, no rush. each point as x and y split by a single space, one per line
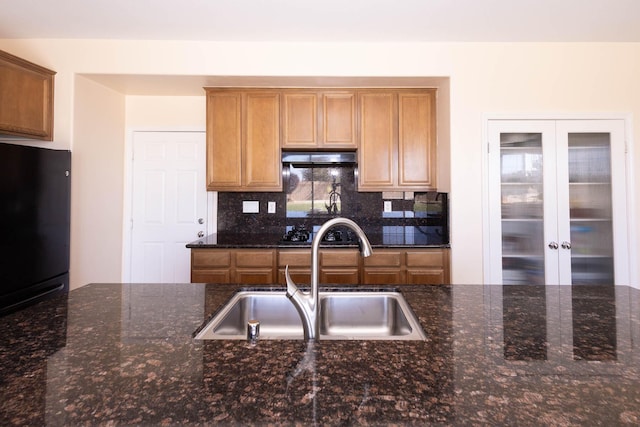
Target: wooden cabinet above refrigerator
26 97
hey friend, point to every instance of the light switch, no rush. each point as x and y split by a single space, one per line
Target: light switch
387 206
250 206
271 207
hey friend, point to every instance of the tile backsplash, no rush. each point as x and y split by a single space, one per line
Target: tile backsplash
315 193
427 212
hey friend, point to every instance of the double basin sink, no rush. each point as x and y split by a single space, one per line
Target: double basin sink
344 315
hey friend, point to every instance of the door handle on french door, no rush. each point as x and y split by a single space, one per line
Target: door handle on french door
566 245
553 245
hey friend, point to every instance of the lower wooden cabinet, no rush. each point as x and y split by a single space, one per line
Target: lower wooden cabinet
337 266
250 266
411 266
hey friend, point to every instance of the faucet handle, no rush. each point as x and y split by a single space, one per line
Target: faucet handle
292 288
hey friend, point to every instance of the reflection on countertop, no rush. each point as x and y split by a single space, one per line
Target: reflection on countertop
513 355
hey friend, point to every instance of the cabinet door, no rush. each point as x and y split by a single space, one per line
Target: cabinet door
592 202
519 201
319 120
377 154
338 120
300 120
26 97
557 202
261 154
416 141
224 141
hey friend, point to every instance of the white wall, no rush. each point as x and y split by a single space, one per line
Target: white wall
97 179
484 78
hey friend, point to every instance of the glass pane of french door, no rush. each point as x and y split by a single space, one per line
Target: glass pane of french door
522 210
590 208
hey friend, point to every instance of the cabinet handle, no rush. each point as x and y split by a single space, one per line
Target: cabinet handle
553 245
566 245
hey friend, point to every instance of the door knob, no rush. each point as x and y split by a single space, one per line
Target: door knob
566 245
553 245
200 233
200 221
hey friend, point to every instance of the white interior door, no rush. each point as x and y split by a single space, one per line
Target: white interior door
169 204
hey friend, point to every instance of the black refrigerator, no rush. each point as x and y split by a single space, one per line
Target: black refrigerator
35 195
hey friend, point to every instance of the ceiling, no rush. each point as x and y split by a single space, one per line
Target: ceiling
325 21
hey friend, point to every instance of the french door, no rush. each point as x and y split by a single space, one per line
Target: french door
557 202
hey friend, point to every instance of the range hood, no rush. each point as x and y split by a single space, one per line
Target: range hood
319 158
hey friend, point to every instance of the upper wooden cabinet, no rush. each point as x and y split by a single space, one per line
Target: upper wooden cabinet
397 140
393 131
26 98
319 119
243 140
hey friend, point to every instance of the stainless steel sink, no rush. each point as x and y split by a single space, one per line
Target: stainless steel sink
345 315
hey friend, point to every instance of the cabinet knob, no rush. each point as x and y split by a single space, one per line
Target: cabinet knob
200 221
566 245
200 233
553 245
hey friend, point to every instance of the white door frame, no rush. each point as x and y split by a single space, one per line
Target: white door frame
127 214
630 173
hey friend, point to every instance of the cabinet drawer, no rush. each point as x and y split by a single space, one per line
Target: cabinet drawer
425 259
295 258
425 277
382 276
301 276
383 259
211 276
258 276
204 258
263 258
339 258
339 276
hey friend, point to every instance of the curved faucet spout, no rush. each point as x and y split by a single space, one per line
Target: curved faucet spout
308 304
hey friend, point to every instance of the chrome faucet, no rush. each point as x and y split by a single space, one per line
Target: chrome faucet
308 303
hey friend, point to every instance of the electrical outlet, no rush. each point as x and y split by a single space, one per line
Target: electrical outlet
387 206
250 206
271 207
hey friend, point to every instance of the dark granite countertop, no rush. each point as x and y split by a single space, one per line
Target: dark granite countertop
123 354
274 240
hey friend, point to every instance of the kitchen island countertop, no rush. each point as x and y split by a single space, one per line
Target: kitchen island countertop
124 354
